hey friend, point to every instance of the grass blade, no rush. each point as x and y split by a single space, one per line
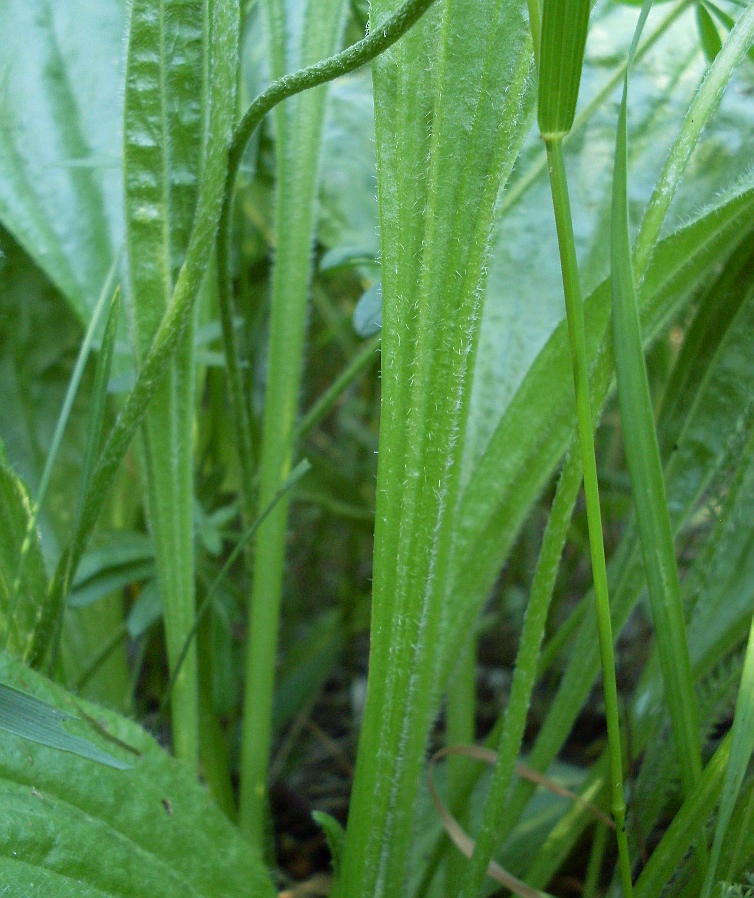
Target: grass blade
647 482
686 828
564 29
702 107
70 396
26 716
742 746
98 400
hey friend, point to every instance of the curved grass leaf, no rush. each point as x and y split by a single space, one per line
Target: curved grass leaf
645 468
686 476
73 829
687 827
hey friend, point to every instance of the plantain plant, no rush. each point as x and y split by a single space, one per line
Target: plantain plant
194 532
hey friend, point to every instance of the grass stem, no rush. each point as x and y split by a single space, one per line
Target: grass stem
576 333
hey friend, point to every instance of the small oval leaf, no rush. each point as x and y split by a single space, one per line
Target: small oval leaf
367 316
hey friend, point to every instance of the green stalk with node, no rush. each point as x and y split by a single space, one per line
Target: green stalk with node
564 28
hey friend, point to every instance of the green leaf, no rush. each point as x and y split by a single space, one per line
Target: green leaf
450 118
726 21
295 39
38 346
367 316
60 149
647 483
147 610
165 137
39 342
742 746
20 600
72 829
335 835
708 33
704 447
536 427
26 716
687 827
561 55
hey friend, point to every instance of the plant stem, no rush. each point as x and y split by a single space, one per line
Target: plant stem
360 363
522 184
299 126
526 669
576 333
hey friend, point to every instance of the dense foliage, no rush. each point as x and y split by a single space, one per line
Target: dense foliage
293 429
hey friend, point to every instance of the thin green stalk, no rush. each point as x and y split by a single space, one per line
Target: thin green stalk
575 316
522 184
360 363
299 125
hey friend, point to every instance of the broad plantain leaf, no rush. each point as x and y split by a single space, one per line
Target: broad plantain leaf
73 828
60 153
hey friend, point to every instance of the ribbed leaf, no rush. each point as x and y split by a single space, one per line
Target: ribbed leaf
75 829
165 121
714 418
449 125
561 55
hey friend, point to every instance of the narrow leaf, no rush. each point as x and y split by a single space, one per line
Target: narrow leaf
561 56
647 482
708 33
26 716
